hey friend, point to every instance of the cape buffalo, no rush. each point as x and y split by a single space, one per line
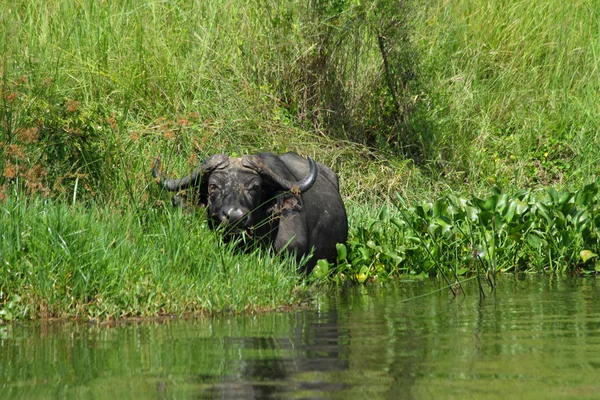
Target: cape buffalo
284 200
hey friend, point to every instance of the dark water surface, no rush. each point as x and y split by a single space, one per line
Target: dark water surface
535 338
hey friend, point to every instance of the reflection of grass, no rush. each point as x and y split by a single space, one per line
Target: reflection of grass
104 263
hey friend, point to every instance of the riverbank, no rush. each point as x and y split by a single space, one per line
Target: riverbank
464 135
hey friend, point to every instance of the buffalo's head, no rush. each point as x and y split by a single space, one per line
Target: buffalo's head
240 193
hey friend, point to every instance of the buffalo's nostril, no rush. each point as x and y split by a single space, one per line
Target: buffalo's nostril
233 216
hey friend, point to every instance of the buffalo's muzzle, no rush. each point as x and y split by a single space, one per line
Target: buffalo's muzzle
233 217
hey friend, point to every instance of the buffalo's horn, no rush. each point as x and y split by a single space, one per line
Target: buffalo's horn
208 165
258 164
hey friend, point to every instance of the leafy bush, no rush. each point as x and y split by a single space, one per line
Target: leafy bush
51 145
348 69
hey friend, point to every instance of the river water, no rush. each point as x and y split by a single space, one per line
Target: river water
534 338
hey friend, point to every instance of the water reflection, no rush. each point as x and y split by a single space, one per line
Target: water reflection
313 346
536 337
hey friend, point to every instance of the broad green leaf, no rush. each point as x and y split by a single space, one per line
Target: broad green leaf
485 205
321 270
6 315
433 228
472 213
426 206
502 203
521 207
542 210
444 222
485 217
439 207
554 195
457 202
587 254
534 240
510 213
362 275
584 197
565 197
364 253
342 252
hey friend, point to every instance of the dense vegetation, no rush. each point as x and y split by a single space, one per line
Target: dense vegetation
465 135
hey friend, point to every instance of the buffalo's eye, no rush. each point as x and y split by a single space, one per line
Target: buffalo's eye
253 187
212 188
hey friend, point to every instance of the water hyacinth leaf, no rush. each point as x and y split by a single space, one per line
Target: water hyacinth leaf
423 209
586 255
522 195
413 239
565 238
534 240
591 188
498 222
321 270
485 217
414 243
342 253
445 224
559 220
458 203
597 221
566 208
364 253
553 195
461 271
542 210
521 207
391 255
585 196
565 198
485 205
502 203
373 224
433 228
472 213
362 275
510 212
439 208
581 219
6 315
597 266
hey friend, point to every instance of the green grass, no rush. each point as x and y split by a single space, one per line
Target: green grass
513 86
104 263
413 99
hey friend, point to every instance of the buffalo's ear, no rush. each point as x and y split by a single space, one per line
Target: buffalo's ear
291 202
210 164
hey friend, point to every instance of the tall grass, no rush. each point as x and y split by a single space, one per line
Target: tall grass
92 91
513 90
86 262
